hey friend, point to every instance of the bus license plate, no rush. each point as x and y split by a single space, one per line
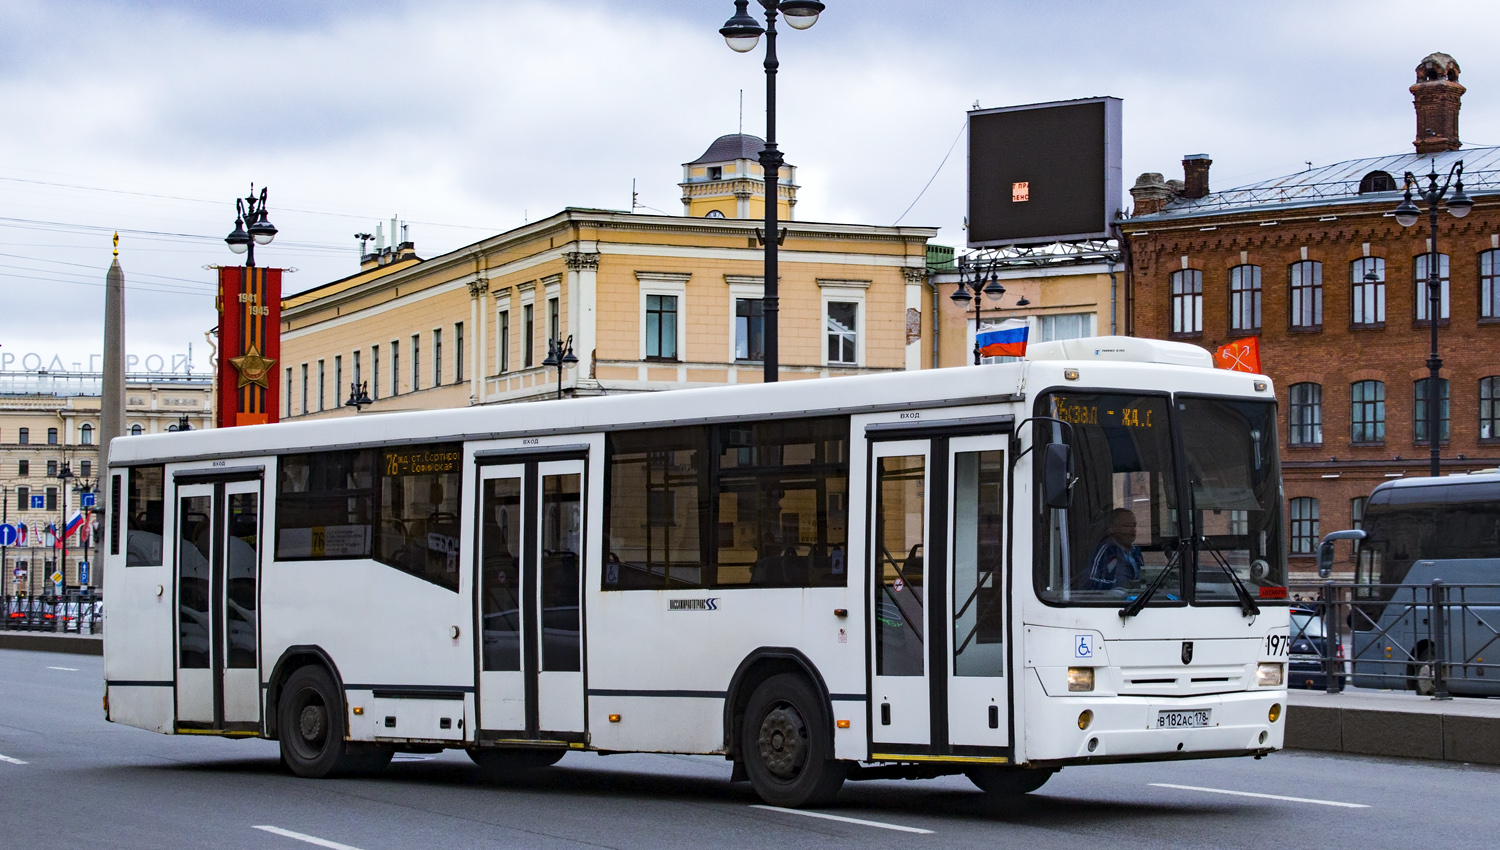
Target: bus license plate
1180 719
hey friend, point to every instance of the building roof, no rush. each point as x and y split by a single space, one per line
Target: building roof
1339 184
732 147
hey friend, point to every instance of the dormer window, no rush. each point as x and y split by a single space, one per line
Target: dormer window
1377 181
713 214
716 172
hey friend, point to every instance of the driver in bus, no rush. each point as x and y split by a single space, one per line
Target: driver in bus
1116 560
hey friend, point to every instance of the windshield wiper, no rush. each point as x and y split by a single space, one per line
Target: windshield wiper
1135 605
1247 602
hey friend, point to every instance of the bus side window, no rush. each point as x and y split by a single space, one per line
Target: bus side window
144 514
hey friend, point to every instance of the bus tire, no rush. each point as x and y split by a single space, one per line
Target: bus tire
785 739
501 762
999 781
312 729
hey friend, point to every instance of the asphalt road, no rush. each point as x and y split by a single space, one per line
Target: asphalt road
69 779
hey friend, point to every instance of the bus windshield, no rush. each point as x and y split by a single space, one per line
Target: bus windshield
1229 452
1120 530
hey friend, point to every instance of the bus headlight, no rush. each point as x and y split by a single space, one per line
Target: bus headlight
1268 674
1080 678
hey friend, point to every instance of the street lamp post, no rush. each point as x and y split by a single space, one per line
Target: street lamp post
560 355
251 227
1407 214
86 487
359 396
974 280
64 475
742 33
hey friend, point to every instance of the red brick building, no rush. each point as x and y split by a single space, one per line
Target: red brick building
1315 265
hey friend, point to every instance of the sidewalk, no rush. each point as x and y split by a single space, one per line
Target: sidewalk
53 642
1387 723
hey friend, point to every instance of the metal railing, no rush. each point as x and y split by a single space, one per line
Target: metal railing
1433 639
70 613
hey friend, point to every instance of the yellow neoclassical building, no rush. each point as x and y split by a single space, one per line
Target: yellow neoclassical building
649 302
727 181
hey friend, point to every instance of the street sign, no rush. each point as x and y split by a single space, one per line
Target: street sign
20 572
7 535
83 572
57 578
38 503
88 500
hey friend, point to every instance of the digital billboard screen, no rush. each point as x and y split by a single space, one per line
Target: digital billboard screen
1044 172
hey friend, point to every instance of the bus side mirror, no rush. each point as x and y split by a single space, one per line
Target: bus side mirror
1325 549
1056 464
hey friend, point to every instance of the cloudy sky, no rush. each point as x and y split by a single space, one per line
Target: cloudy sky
469 117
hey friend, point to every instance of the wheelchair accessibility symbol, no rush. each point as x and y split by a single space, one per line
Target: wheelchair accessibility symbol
1083 646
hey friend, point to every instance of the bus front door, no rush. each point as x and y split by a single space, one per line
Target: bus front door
217 558
529 608
937 628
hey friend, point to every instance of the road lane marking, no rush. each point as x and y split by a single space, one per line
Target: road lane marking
841 819
310 839
9 760
69 669
1262 796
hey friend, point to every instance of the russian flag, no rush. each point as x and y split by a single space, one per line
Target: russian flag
20 534
73 525
1008 342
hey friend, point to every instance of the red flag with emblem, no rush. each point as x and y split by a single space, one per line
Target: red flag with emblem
1241 355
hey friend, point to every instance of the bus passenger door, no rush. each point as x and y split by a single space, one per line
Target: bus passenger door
978 702
530 602
218 566
899 554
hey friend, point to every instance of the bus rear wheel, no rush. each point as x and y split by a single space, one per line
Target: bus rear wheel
784 742
312 729
500 763
999 781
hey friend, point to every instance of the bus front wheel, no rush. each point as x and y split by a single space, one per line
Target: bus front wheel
784 742
1008 781
312 729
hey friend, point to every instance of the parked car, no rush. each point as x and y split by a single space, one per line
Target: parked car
1305 664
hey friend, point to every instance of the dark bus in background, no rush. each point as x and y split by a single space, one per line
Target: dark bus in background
1418 531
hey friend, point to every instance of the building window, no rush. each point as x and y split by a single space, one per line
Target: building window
1187 302
661 327
23 436
322 386
1489 285
289 392
51 436
749 329
1244 299
1306 295
1357 511
504 338
51 498
1306 415
1064 326
1419 280
23 468
843 337
1367 284
416 362
358 373
458 352
374 372
135 430
51 469
85 468
338 378
437 357
554 320
1367 412
1377 181
1489 408
23 498
528 335
395 367
86 434
305 411
1419 410
1304 526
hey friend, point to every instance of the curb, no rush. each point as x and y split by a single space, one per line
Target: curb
1457 737
35 642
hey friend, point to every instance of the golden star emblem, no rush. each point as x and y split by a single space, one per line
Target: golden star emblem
253 367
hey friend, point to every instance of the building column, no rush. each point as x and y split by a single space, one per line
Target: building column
477 289
913 324
583 292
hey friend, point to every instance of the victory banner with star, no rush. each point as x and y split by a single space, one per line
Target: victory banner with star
249 345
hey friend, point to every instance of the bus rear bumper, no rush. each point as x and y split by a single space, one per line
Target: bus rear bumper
1140 728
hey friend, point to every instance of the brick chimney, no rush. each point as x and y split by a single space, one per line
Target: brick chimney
1195 175
1151 194
1436 95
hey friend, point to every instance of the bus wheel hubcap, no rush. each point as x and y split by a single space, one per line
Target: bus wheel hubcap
783 742
311 723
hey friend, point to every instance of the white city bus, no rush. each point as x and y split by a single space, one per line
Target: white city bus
903 575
